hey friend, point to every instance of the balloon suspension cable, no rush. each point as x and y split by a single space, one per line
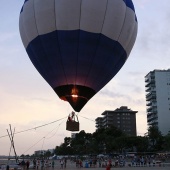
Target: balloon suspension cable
43 138
87 118
34 128
33 145
42 145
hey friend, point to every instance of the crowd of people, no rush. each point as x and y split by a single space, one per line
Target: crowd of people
92 162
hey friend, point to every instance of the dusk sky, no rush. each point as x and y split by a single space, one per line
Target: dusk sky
27 101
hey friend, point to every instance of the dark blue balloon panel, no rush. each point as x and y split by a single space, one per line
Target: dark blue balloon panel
76 57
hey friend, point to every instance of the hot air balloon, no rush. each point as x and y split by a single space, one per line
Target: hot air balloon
78 46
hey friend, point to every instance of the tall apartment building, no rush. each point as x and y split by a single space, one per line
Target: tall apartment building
122 118
157 84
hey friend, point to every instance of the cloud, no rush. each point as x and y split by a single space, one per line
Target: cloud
111 94
6 37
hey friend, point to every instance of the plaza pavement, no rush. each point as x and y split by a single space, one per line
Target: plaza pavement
114 168
72 166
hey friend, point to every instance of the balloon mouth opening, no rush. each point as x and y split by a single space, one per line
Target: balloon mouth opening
76 95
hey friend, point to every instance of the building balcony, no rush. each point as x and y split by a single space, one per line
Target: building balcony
152 118
153 123
110 119
152 108
152 114
152 103
149 104
98 126
149 113
149 109
151 97
104 120
146 79
150 83
151 93
150 89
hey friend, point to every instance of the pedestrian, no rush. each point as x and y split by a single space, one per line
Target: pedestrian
77 163
153 161
23 164
65 162
61 163
53 164
42 163
108 167
46 164
38 163
90 163
81 164
27 164
100 163
149 162
7 167
34 163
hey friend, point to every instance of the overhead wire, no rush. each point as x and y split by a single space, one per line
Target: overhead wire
33 145
56 131
42 144
44 137
87 118
34 128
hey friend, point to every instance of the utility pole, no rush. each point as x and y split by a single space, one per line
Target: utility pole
11 137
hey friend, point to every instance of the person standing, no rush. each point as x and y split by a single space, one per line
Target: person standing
38 164
23 164
34 163
65 162
7 167
27 164
53 164
61 163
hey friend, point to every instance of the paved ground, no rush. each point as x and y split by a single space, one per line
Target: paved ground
72 166
120 168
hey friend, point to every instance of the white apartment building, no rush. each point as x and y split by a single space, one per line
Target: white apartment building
157 83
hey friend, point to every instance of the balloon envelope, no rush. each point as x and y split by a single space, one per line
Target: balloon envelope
78 46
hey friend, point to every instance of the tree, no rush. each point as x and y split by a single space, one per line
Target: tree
47 154
137 143
155 138
166 145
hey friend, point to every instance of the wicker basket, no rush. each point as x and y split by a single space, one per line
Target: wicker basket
72 125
